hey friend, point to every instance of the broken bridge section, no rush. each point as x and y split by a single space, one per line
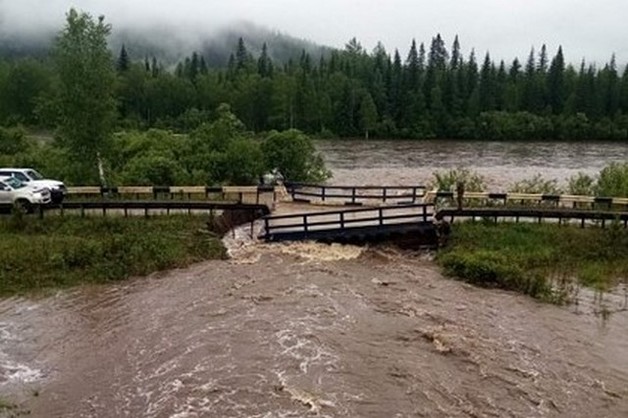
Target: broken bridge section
411 222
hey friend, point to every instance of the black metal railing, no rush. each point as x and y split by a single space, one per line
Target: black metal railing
356 194
385 217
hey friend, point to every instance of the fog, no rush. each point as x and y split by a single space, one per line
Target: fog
506 28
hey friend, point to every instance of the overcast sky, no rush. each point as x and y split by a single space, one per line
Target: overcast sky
507 28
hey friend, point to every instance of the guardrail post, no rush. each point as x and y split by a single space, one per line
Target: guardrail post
305 229
381 217
342 220
266 228
424 212
323 188
353 195
414 195
384 194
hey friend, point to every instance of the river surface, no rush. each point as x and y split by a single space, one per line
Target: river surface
298 330
501 163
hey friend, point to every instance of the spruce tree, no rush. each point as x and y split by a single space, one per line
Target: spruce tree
123 63
556 83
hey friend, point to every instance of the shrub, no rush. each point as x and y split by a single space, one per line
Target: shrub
536 185
613 181
581 184
447 180
293 153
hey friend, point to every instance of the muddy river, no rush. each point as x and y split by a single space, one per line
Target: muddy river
298 330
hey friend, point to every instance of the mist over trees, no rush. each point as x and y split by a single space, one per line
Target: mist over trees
432 92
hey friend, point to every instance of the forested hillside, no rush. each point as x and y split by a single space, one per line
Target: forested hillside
434 91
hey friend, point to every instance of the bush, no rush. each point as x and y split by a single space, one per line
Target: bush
294 155
447 180
581 184
536 185
613 181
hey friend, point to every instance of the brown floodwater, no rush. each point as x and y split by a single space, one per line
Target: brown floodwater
501 163
305 329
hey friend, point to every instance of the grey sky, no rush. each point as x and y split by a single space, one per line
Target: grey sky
507 28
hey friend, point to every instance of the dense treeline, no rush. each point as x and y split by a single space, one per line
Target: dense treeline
79 99
433 92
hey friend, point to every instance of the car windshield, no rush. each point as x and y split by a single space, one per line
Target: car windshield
34 175
14 183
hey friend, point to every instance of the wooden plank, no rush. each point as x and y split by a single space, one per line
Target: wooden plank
566 198
239 189
620 200
525 196
84 190
187 189
135 190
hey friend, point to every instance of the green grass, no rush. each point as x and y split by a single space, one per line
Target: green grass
538 260
61 252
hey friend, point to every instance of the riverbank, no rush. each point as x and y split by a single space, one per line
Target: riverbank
60 252
548 262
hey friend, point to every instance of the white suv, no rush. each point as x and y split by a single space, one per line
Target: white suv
15 193
33 178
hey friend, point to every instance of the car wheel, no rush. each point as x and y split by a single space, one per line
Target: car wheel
22 206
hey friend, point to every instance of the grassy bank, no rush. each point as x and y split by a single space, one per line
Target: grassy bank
544 261
60 252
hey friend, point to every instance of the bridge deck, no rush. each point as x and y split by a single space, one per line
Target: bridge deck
349 223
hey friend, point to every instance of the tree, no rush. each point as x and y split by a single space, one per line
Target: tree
85 101
294 155
368 114
264 64
123 63
556 82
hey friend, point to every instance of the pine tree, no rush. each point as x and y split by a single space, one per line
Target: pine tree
487 85
203 66
123 62
368 114
455 55
264 64
243 59
413 68
556 83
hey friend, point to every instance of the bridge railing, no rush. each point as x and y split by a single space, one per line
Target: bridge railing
529 199
346 219
356 195
536 214
240 194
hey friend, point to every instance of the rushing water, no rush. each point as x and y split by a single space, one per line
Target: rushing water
314 330
501 163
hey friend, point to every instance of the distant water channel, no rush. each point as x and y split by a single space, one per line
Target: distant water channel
307 329
390 162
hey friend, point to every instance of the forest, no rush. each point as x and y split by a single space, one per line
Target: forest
434 92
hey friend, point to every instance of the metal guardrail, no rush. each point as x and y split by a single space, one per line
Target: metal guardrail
124 207
356 195
238 193
537 214
573 201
